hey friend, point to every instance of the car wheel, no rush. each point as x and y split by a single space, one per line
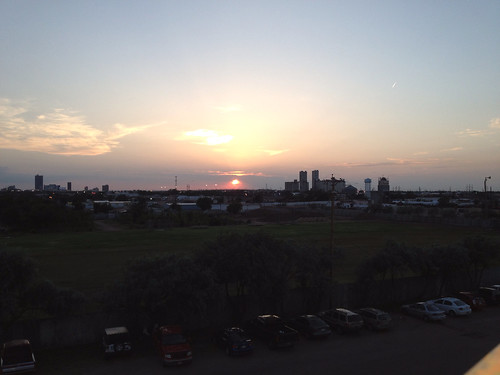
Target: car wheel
451 313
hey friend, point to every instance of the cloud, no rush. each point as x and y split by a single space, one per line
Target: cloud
206 137
236 173
493 127
274 152
452 149
495 123
472 133
391 161
59 131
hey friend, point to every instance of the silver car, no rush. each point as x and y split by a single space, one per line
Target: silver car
424 310
452 306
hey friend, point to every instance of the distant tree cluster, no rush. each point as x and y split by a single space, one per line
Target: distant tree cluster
24 293
24 211
185 287
443 264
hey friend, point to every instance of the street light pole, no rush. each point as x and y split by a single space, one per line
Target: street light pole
332 248
486 178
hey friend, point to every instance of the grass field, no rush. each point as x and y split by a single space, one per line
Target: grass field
92 261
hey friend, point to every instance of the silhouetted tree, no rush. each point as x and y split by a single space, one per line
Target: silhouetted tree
482 254
170 287
204 203
234 207
22 290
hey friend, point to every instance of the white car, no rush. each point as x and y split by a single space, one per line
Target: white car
452 306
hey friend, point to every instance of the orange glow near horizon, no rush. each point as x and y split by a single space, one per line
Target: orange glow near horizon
235 182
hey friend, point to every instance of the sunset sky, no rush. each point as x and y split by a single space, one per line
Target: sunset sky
134 93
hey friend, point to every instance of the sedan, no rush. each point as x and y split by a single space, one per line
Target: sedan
452 306
310 326
235 341
423 310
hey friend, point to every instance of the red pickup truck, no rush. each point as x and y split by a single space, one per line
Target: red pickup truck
17 357
172 345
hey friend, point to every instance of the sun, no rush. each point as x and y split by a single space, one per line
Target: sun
235 182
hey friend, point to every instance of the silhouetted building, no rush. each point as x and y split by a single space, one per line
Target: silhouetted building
303 184
52 187
68 186
292 186
315 179
105 188
39 182
383 184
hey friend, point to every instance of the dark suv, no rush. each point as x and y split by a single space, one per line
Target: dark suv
342 320
375 319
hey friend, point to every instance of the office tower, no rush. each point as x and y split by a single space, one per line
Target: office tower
38 182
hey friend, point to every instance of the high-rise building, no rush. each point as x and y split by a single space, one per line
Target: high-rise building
315 179
105 188
304 185
39 182
68 188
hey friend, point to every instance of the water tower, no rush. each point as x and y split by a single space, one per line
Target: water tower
368 187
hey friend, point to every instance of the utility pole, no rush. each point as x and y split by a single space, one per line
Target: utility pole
485 191
332 198
332 247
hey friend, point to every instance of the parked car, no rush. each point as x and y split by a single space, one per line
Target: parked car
116 341
475 301
490 295
172 345
342 320
235 341
496 287
273 331
375 319
452 306
425 311
311 326
17 357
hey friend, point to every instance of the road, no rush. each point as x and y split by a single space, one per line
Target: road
411 347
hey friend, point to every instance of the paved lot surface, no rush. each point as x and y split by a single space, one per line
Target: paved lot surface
411 347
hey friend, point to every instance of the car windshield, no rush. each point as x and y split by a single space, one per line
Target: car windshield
174 339
317 323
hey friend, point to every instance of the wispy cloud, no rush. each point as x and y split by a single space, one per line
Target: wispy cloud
495 123
275 152
59 131
206 137
493 128
452 149
392 161
235 173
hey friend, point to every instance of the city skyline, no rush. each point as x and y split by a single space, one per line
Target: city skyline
139 95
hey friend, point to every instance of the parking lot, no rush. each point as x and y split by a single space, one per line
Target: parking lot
411 347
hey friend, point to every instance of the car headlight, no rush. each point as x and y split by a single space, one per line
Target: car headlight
168 356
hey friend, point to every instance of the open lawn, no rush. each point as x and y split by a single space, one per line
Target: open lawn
92 261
